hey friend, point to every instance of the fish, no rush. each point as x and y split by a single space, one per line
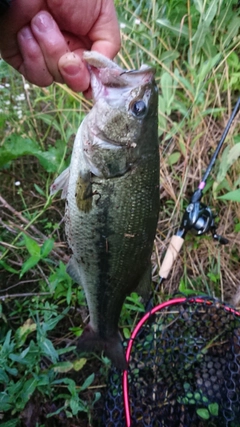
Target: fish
112 198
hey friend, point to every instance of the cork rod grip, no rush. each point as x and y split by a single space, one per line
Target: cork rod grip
171 254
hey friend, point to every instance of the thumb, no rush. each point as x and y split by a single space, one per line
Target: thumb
74 71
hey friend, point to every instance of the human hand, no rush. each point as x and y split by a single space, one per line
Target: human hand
45 39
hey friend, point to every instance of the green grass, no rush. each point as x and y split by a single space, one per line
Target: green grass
195 48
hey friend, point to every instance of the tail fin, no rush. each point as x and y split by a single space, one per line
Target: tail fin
112 346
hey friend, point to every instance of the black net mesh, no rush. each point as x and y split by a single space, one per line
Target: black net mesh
184 370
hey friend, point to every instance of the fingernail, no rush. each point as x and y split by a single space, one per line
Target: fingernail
26 33
44 22
71 69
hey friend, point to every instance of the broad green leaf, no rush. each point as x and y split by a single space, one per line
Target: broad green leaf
223 168
210 13
50 159
43 379
173 158
234 62
77 405
237 183
68 381
51 121
65 350
199 6
208 66
233 30
18 358
216 187
11 371
7 345
161 103
187 84
126 333
3 376
69 295
167 91
213 409
23 331
49 350
63 367
32 246
15 146
233 154
233 196
39 190
5 401
168 57
87 382
203 413
15 388
10 423
47 247
197 396
28 389
179 30
199 37
8 267
30 263
79 364
51 323
162 120
237 228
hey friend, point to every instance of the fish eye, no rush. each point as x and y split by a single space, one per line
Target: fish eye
139 108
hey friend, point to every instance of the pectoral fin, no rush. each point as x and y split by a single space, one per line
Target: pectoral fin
84 193
61 183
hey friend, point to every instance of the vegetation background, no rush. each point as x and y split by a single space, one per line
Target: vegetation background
195 48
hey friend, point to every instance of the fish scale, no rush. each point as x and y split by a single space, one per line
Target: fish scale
112 199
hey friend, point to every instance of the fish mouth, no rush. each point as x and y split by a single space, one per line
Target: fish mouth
123 79
143 70
107 77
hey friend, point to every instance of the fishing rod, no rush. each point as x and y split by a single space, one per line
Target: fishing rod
198 217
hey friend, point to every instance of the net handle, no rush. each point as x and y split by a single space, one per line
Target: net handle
159 307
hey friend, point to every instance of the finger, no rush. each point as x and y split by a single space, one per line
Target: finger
32 64
51 42
105 34
74 71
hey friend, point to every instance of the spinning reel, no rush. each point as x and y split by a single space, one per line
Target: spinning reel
199 219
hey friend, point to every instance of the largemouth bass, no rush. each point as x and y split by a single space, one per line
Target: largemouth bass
112 197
